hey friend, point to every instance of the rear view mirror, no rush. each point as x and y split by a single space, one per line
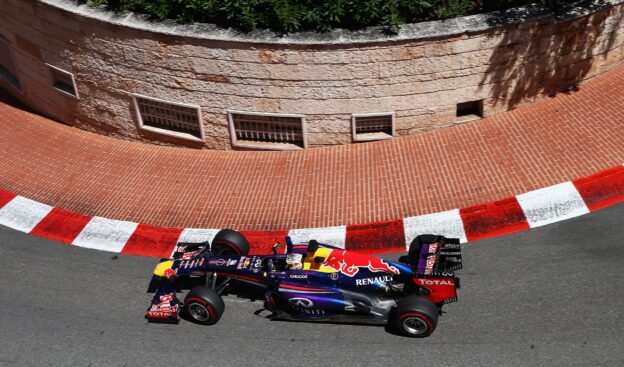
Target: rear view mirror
319 259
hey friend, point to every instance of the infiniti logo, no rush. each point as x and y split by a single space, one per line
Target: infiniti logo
301 302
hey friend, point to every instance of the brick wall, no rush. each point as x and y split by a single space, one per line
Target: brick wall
420 79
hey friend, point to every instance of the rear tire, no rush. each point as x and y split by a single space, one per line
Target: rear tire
203 306
230 242
415 316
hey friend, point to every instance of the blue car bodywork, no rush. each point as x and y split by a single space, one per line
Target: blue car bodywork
331 284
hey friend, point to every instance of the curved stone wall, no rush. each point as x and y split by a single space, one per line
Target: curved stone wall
419 75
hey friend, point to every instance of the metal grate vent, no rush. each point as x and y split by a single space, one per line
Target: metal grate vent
268 128
169 117
373 126
63 80
7 67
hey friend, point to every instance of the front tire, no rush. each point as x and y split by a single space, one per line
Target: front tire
230 242
203 306
415 316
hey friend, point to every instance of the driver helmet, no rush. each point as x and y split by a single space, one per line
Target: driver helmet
294 261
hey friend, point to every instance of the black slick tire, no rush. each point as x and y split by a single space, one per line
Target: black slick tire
415 316
230 242
203 306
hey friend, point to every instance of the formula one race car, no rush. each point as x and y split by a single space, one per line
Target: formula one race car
312 281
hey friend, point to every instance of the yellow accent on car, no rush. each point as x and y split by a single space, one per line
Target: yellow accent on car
308 262
162 267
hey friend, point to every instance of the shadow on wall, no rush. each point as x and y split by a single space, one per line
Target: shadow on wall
7 98
555 57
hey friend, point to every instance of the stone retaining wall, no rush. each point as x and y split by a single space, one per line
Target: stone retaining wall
420 75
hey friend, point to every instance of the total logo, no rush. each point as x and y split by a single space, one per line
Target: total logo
435 282
160 314
301 302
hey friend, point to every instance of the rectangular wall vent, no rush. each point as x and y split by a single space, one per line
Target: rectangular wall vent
7 66
468 111
373 126
267 130
63 81
169 118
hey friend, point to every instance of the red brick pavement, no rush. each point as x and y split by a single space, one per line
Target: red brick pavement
548 142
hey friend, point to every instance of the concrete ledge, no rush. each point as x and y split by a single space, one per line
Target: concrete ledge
532 209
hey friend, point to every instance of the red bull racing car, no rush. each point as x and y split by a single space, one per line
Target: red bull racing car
311 281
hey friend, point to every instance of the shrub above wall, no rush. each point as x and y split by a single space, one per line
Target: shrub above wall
285 16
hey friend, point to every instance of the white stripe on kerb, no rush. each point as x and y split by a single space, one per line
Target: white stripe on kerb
105 234
197 235
334 236
23 214
552 204
448 224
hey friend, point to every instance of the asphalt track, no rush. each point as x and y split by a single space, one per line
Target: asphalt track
552 296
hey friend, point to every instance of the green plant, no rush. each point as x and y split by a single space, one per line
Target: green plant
452 8
285 16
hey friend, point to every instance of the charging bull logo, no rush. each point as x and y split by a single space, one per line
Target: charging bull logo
349 263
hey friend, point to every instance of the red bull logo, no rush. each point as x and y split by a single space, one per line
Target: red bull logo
431 258
349 264
169 273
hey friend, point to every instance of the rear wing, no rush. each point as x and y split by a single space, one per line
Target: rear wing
432 255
